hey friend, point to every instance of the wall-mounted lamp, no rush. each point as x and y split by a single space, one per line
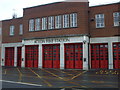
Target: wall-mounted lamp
84 41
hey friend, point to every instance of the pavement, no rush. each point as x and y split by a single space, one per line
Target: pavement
16 77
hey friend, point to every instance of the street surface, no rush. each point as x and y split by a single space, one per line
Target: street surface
56 78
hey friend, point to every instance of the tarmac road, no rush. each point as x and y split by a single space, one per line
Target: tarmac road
56 78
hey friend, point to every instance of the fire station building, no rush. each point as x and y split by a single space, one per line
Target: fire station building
63 35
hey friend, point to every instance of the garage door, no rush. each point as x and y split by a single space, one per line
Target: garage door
99 56
9 56
73 56
51 56
116 55
31 56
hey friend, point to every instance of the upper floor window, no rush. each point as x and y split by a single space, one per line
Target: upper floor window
37 24
58 22
12 27
51 22
44 23
31 25
100 21
66 21
21 29
116 16
73 20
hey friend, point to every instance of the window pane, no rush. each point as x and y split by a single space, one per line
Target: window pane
73 20
21 29
66 21
58 22
44 23
100 20
31 25
116 16
12 30
37 24
51 22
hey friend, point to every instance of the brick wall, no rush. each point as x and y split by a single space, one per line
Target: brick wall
109 29
6 38
57 9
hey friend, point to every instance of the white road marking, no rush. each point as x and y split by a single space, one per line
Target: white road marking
21 83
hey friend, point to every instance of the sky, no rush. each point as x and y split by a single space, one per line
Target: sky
8 7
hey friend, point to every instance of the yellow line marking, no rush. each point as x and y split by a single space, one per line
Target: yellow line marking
20 75
50 85
53 74
64 79
78 75
97 81
63 72
19 71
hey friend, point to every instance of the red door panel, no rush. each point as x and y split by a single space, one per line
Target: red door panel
69 56
31 56
51 56
95 56
99 56
116 55
104 56
78 56
47 56
56 56
9 56
73 56
19 56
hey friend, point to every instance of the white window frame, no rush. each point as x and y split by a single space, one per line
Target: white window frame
44 23
116 17
100 20
21 29
12 28
51 22
31 25
37 24
66 21
73 20
58 22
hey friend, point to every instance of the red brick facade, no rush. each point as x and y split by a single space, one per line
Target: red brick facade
81 47
85 24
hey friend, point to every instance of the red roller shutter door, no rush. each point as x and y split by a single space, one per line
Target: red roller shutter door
9 56
31 56
19 56
116 55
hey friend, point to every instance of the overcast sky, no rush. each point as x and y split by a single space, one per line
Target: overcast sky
7 7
